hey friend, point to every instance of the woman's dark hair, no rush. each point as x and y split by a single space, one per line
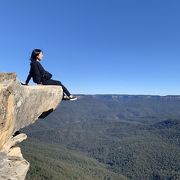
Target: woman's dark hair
34 54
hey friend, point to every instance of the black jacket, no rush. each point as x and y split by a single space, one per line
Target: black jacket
36 72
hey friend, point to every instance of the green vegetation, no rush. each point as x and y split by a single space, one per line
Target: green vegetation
55 162
134 136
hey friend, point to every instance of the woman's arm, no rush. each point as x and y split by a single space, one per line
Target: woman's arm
29 77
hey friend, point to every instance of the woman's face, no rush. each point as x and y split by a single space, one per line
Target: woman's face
40 56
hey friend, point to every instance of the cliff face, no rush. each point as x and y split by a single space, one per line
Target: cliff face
20 106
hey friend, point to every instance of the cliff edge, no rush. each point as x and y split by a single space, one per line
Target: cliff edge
21 106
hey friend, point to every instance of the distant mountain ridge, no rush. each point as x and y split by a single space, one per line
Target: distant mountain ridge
128 96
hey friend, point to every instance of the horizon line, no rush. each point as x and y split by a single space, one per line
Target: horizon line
99 94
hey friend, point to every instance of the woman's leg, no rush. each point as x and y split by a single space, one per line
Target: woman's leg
57 83
65 90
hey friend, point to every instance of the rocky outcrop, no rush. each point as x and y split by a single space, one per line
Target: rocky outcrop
21 106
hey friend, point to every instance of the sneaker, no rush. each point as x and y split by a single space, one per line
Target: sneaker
72 98
65 98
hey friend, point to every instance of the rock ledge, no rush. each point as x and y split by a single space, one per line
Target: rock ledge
20 107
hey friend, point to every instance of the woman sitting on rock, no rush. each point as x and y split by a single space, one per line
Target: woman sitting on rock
43 77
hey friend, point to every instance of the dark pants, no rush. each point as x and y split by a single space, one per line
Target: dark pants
57 83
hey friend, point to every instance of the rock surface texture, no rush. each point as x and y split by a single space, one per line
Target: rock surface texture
21 106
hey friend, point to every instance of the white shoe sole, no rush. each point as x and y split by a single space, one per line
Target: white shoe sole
74 99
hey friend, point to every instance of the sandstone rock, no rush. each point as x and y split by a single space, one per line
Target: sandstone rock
20 107
12 141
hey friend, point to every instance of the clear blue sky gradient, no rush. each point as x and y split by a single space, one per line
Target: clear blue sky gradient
96 46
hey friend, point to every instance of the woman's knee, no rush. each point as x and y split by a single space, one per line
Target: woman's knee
57 82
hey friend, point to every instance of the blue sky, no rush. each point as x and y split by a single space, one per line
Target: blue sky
96 46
